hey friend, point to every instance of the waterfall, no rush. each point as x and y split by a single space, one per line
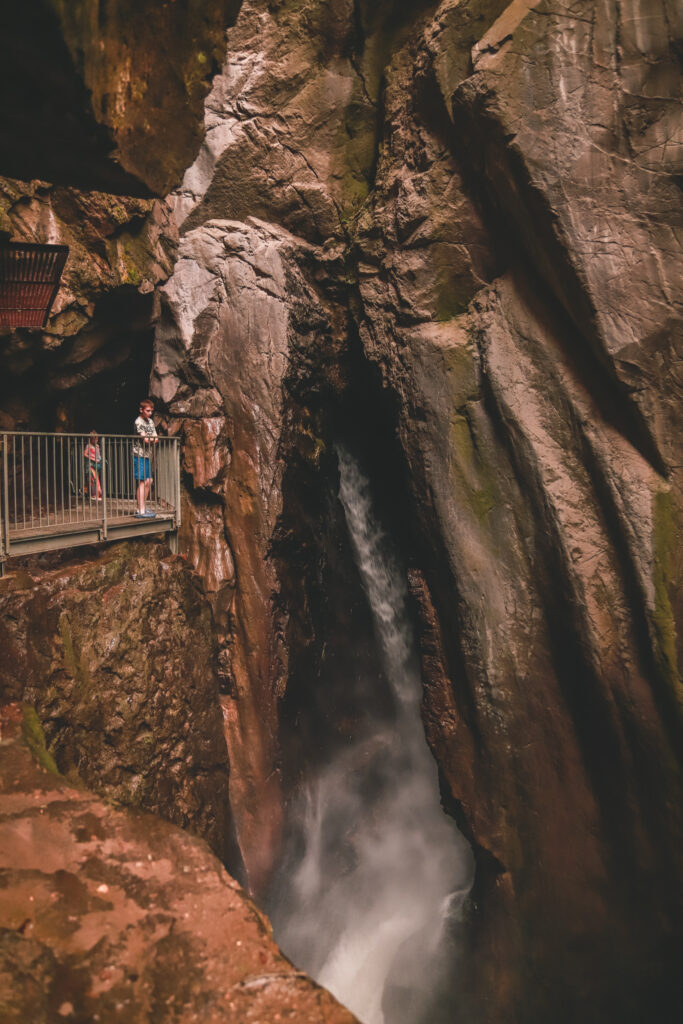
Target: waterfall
371 895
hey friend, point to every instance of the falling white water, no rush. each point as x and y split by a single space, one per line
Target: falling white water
369 901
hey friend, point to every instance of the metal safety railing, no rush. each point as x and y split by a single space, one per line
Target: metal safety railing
61 490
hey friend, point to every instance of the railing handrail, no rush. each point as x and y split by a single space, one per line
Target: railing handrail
81 433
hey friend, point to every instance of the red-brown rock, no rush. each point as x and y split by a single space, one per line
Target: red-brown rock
118 656
108 915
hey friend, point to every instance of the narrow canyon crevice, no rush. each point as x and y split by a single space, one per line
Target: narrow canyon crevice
334 669
370 853
93 382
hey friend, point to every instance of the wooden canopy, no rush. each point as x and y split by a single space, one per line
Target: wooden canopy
29 280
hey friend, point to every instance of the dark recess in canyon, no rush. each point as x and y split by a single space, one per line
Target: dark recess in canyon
94 381
89 97
333 666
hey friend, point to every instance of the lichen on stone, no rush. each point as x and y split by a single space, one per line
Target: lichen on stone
34 737
666 540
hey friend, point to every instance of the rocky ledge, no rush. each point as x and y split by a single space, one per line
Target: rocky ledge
118 916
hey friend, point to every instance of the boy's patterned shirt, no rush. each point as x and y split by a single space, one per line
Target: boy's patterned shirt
145 428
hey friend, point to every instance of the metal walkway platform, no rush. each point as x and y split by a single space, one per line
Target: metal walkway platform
64 490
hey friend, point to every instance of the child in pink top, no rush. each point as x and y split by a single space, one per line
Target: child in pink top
93 465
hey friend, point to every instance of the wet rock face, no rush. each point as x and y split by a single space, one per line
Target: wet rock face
118 657
505 259
238 280
107 913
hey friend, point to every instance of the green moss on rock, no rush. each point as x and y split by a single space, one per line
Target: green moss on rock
475 484
34 737
665 539
74 662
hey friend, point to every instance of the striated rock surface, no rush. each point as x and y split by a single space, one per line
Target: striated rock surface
117 655
586 178
108 915
237 281
493 297
536 466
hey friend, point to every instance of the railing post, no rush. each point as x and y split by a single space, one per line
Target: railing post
177 480
174 489
4 525
103 486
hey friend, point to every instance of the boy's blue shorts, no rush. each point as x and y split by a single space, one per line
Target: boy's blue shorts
142 468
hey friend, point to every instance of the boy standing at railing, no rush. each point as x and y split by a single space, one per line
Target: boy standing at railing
142 457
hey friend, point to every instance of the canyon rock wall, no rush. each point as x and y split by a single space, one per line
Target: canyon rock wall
232 279
478 202
118 657
102 110
107 95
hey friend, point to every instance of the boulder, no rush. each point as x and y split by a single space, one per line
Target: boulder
107 913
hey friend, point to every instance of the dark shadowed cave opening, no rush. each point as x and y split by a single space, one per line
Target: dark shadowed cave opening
51 133
333 655
92 381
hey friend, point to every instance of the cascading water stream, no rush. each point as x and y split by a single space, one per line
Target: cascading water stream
369 902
